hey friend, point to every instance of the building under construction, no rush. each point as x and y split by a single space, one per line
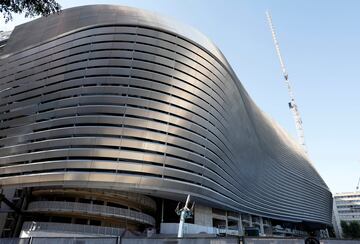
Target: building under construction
111 115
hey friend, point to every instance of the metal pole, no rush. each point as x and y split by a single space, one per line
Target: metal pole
181 225
182 218
162 211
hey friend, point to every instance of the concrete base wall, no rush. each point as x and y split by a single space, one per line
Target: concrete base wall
203 216
191 229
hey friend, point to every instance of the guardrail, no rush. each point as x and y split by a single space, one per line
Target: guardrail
193 229
162 240
47 206
29 227
122 240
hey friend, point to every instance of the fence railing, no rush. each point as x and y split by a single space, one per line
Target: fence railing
118 240
46 206
159 240
29 227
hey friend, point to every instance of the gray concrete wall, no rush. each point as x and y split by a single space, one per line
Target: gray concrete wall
203 216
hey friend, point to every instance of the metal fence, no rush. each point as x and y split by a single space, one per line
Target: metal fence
72 228
266 240
198 240
182 241
118 240
91 208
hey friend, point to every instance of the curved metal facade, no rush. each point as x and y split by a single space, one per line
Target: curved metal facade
117 98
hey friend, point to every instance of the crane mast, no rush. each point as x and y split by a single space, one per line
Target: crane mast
292 104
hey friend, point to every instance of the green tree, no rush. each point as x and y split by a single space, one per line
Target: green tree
351 229
31 8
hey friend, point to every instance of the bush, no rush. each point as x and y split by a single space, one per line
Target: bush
351 229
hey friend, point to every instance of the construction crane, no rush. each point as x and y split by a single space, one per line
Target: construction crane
292 104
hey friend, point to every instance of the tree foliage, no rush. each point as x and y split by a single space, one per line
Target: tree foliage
351 229
31 8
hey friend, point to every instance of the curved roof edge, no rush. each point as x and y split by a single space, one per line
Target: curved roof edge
115 13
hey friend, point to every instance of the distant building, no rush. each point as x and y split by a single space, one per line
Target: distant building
346 208
111 115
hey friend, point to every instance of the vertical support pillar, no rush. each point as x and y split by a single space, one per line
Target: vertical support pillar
226 221
240 226
162 211
203 216
262 232
250 221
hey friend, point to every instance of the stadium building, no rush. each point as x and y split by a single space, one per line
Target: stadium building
111 115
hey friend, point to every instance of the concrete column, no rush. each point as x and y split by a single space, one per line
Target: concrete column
203 215
250 221
240 226
336 221
226 221
262 232
162 211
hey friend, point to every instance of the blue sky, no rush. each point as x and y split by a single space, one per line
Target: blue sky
320 45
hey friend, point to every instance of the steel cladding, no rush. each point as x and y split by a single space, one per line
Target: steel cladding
117 98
